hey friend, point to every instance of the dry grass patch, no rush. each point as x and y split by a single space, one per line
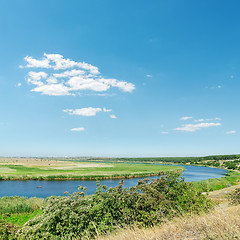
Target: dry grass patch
50 163
221 196
31 162
222 223
78 166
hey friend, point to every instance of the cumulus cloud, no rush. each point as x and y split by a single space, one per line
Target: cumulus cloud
34 63
19 84
185 118
231 132
68 77
52 89
36 77
78 129
195 127
149 76
113 116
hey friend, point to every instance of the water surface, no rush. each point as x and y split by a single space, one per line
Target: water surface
32 188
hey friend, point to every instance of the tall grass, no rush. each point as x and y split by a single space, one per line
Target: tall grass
20 204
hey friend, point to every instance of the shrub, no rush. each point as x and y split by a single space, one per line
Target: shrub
7 231
77 216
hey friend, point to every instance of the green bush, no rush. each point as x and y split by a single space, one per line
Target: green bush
7 231
77 216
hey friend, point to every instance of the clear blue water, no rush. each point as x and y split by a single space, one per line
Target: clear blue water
48 188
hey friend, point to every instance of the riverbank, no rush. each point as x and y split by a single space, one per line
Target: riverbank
232 178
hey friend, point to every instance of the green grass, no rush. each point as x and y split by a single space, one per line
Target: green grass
113 170
18 210
20 204
231 178
19 219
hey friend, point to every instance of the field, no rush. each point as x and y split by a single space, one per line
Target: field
49 169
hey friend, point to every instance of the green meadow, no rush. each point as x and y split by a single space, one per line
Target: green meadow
79 170
212 184
18 210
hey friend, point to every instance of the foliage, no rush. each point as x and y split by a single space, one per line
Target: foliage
225 161
232 164
183 160
78 216
19 204
7 231
14 212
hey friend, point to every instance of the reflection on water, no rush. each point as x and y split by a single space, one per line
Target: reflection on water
31 188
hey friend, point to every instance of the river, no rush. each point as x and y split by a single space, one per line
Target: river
43 189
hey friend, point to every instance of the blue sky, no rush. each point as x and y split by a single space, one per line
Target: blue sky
119 78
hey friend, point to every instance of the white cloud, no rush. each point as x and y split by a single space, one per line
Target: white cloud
185 118
37 75
231 132
52 89
107 110
164 132
78 129
149 76
87 112
124 86
81 77
34 63
52 80
208 119
19 84
113 116
199 120
82 83
71 73
195 127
